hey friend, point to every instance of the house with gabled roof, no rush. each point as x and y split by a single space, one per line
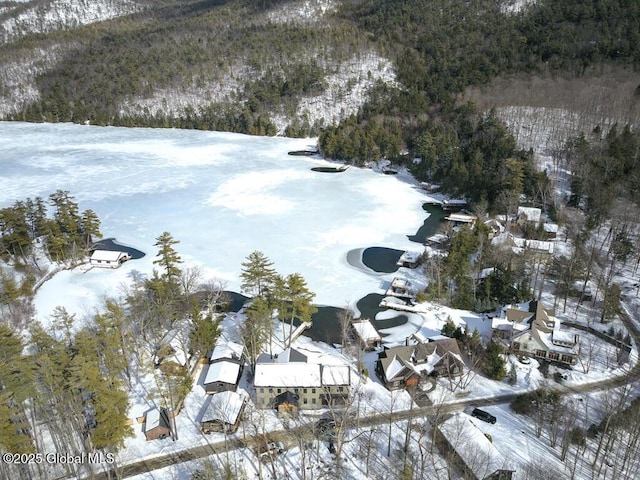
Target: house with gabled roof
535 332
108 258
529 216
225 367
406 365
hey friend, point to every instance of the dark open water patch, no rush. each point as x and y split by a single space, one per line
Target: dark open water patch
112 245
369 307
329 169
381 259
430 225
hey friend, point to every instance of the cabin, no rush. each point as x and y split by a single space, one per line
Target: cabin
366 334
108 258
529 216
157 424
223 413
225 368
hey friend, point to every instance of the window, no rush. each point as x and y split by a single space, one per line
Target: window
567 358
541 353
340 389
305 390
313 390
554 356
271 390
279 390
313 400
305 401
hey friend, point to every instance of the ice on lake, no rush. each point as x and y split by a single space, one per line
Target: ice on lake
221 195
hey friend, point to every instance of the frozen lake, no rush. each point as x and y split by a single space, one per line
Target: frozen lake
221 195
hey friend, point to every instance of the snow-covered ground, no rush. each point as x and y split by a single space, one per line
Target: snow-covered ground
62 14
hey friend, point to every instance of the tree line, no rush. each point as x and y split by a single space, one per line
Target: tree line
67 232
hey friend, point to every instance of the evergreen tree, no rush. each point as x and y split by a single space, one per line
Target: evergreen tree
494 365
205 332
257 275
168 257
293 299
90 227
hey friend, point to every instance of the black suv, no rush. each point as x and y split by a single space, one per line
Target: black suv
484 416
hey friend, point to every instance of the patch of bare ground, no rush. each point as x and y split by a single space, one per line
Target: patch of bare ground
543 110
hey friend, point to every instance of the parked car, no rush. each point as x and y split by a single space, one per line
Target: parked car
484 416
272 449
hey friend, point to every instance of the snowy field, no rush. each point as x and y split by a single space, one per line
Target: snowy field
221 195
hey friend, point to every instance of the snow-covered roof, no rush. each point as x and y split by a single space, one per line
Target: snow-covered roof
539 245
530 214
224 406
153 420
107 255
472 446
550 227
336 375
287 375
365 330
395 367
563 336
410 256
227 350
288 355
222 371
461 218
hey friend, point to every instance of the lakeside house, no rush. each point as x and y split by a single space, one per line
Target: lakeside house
409 259
108 258
366 334
400 288
536 333
288 382
462 219
157 424
225 367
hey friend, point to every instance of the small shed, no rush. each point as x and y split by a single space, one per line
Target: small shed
108 258
157 424
224 413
